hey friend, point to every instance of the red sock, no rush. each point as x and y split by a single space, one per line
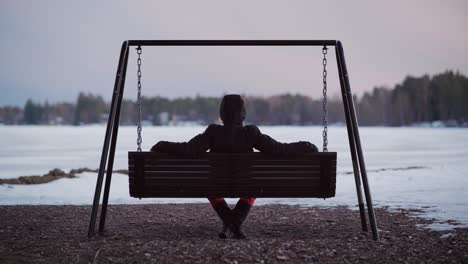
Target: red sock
250 200
215 201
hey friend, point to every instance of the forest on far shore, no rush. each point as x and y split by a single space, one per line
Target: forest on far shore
441 99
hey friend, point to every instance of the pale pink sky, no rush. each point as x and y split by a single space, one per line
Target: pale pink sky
51 50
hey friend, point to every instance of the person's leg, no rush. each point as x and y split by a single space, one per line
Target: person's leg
223 211
240 213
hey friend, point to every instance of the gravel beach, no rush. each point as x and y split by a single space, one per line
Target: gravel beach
187 233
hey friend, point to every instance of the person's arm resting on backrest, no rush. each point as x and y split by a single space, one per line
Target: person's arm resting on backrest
197 145
266 144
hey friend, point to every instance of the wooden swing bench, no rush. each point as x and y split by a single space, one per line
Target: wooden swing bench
232 175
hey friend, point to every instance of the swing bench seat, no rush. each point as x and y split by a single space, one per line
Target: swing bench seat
232 175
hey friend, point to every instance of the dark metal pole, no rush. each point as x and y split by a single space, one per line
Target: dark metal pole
352 145
110 165
105 148
362 165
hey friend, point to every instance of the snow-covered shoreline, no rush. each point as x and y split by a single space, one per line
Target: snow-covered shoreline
435 182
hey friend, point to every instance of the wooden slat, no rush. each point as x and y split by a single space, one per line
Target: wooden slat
284 173
150 167
285 162
232 195
252 169
265 177
288 166
177 162
173 162
305 174
286 180
218 186
178 183
259 185
178 174
184 177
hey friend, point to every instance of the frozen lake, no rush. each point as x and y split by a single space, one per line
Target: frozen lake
421 168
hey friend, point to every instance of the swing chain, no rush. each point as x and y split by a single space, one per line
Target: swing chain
325 109
139 139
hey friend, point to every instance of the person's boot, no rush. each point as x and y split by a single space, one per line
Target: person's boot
224 231
225 213
240 213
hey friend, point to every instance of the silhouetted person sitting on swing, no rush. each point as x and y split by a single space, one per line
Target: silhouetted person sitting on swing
233 137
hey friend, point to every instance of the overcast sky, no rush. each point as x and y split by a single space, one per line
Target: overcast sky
52 50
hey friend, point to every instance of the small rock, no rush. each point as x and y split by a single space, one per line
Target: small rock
57 172
282 257
448 235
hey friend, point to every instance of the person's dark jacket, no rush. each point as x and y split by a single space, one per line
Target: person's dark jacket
233 137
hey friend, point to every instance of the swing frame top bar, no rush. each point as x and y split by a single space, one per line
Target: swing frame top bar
180 42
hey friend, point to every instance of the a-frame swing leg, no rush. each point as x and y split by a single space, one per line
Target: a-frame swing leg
351 114
111 128
110 165
352 145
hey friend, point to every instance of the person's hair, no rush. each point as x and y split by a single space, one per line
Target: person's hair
232 109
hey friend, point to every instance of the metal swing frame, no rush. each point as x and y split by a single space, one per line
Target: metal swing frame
110 140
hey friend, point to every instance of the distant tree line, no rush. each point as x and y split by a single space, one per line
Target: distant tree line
423 99
441 98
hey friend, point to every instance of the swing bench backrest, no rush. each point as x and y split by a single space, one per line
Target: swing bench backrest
232 175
